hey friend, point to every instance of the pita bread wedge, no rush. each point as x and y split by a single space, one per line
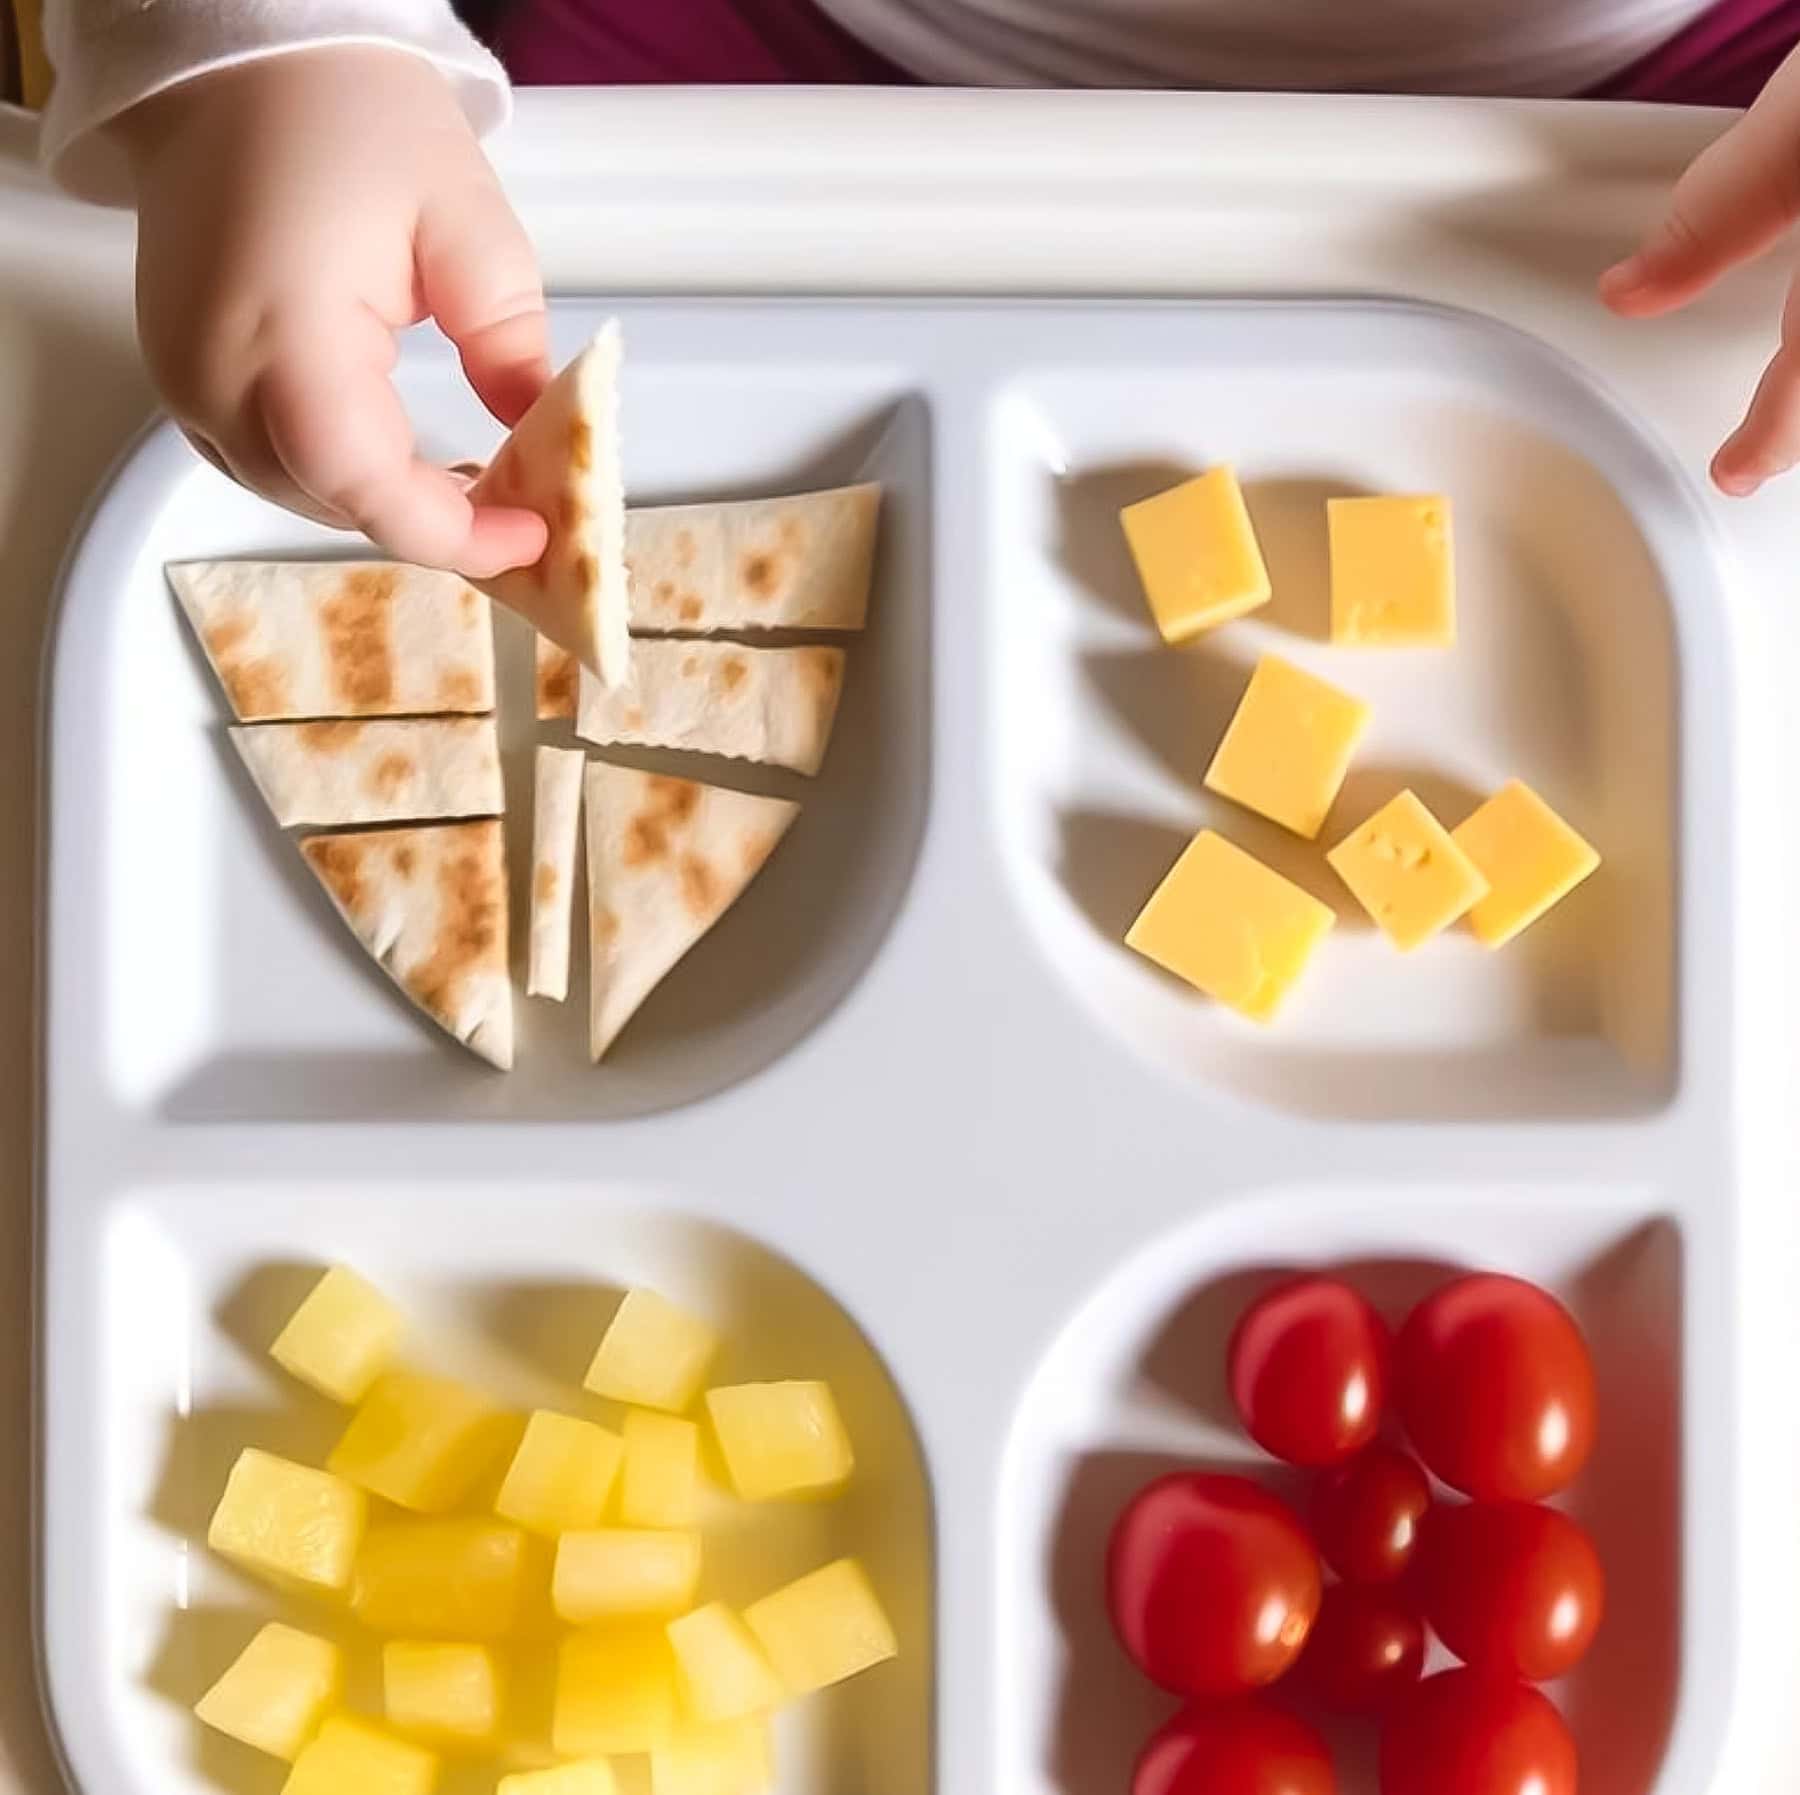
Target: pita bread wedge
805 562
558 676
666 859
555 833
764 704
303 639
380 770
562 461
429 904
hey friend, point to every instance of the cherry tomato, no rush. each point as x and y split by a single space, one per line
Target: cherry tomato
1469 1733
1366 1651
1245 1749
1366 1515
1511 1587
1495 1386
1212 1584
1308 1370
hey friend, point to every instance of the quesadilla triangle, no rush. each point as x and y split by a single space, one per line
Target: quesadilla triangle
429 903
805 562
304 639
383 770
555 833
666 859
562 461
765 704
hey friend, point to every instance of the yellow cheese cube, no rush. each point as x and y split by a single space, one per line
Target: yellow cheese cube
620 1573
351 1758
1288 747
459 1579
725 1674
780 1439
1230 926
615 1692
421 1442
341 1338
296 1527
733 1759
824 1628
661 1482
448 1694
653 1355
1404 869
1530 857
561 1475
277 1692
590 1776
1197 554
1393 583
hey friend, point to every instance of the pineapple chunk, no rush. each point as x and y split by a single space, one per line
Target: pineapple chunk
296 1527
615 1692
661 1484
780 1439
341 1338
421 1441
654 1355
445 1579
724 1674
619 1573
561 1475
447 1694
591 1776
277 1692
351 1758
734 1759
824 1628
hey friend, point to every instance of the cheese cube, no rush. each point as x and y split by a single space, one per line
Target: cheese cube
1197 554
653 1355
561 1475
296 1527
780 1439
615 1692
661 1482
619 1573
1529 856
725 1674
1231 927
1288 747
1404 869
590 1776
464 1579
277 1692
733 1759
421 1442
824 1628
351 1758
1392 580
341 1338
447 1694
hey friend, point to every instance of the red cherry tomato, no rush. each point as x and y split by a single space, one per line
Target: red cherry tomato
1212 1584
1366 1651
1495 1386
1468 1733
1511 1587
1308 1369
1366 1515
1245 1749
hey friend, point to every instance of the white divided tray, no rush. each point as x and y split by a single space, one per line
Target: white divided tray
912 1117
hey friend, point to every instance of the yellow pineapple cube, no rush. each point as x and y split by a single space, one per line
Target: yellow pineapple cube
561 1475
780 1439
277 1692
661 1482
620 1573
824 1628
615 1692
421 1442
590 1776
341 1338
350 1757
654 1355
464 1579
725 1674
733 1759
296 1527
447 1694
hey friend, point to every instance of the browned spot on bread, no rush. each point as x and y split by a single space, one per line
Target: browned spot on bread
405 861
471 920
389 776
605 927
568 509
668 804
733 671
690 665
824 669
224 638
356 619
677 799
469 602
793 534
665 594
256 688
685 549
699 887
556 678
759 574
587 572
634 718
581 445
330 738
338 860
459 689
756 849
544 882
691 609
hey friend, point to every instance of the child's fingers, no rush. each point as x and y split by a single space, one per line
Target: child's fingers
1767 442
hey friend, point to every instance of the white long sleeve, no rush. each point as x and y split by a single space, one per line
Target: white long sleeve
110 54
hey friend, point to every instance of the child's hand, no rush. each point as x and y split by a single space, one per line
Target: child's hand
1736 199
293 214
